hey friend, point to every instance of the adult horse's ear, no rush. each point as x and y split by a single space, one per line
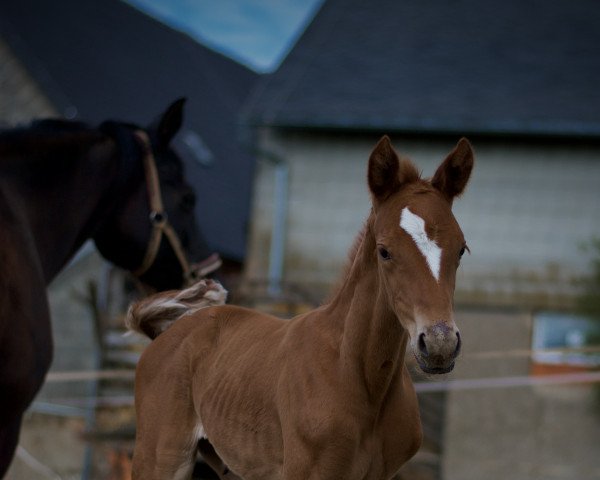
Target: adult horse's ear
453 174
387 173
170 123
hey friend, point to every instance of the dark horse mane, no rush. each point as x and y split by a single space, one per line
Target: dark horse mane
60 125
32 142
57 125
42 128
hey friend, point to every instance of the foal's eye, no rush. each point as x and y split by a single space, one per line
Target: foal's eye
462 252
383 253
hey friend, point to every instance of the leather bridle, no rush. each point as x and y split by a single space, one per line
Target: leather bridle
161 226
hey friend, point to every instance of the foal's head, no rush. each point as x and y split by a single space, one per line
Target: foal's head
419 245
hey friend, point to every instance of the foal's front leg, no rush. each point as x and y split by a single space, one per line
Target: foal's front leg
167 427
322 463
165 446
323 445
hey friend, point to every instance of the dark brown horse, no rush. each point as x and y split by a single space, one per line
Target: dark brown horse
62 183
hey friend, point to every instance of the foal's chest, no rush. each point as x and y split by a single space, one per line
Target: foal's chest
396 435
387 450
399 431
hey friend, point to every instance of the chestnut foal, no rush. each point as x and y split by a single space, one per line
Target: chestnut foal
326 395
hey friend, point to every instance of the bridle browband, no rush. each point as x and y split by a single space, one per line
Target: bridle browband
161 226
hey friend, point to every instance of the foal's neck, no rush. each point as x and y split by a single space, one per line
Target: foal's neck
373 341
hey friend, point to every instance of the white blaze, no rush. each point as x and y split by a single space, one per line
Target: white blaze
415 227
199 433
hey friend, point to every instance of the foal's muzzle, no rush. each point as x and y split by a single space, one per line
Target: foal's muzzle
437 347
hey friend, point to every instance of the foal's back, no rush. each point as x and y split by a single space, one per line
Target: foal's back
223 345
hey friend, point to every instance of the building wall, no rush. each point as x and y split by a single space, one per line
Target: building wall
515 432
528 209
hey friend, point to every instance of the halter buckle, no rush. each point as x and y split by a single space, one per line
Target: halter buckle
158 219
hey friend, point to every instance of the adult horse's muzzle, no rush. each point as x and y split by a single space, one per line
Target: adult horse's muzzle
437 347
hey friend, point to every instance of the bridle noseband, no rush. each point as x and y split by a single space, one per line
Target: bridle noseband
161 226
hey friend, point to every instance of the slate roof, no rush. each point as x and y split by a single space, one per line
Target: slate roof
104 59
441 66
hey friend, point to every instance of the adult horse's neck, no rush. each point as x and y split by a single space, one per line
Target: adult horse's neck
65 184
373 342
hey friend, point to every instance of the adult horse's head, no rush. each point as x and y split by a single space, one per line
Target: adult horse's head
419 247
152 231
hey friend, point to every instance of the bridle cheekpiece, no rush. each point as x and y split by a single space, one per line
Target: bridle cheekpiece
161 225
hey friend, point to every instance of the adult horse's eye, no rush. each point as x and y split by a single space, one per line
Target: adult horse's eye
462 252
188 201
383 253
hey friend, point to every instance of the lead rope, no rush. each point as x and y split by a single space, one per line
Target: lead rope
158 216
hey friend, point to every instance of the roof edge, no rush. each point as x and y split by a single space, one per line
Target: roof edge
538 130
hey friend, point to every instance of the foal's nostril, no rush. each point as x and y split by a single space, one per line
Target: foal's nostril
422 345
458 344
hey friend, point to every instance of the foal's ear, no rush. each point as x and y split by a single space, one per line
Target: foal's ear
387 173
169 123
453 174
